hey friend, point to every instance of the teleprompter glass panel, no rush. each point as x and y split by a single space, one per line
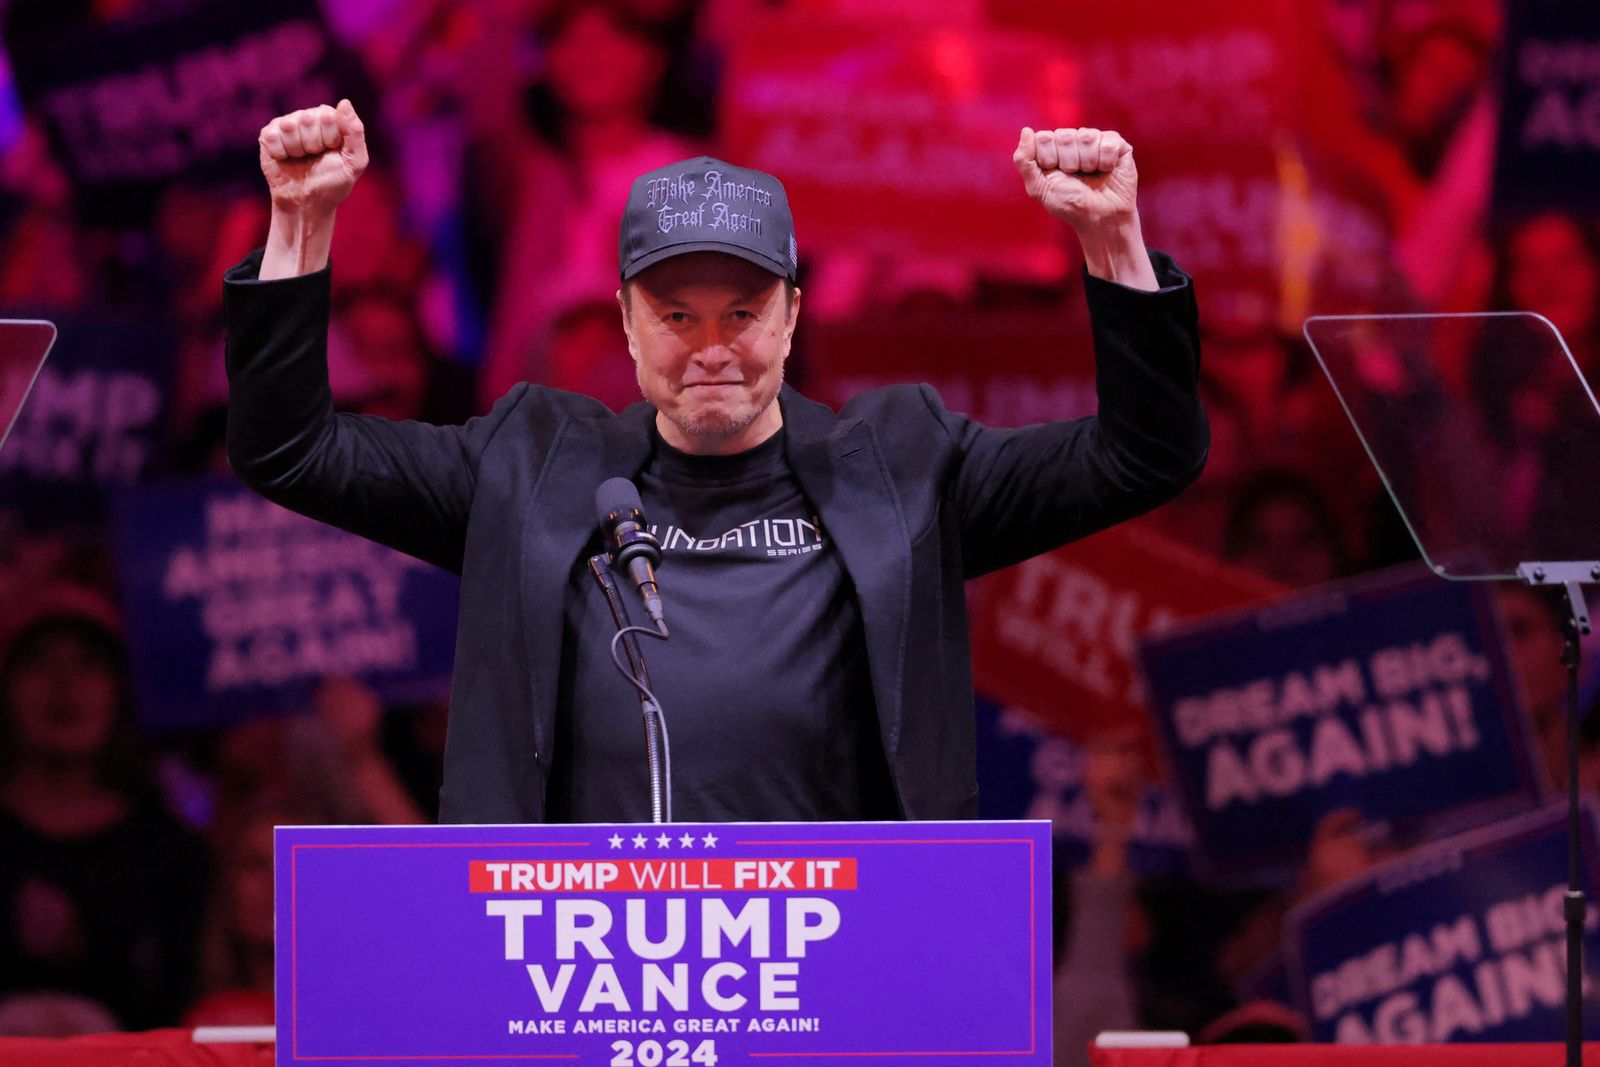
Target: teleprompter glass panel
23 345
1483 428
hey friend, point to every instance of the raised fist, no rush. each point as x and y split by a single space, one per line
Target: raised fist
312 158
1084 177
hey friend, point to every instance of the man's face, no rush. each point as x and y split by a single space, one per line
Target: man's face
709 334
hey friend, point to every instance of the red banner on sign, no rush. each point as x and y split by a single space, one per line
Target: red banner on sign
1256 170
1056 634
668 875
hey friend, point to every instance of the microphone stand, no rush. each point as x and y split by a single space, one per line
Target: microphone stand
1573 576
658 753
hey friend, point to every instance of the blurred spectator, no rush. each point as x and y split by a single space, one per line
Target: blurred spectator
1199 517
337 751
329 763
42 259
187 222
1535 414
251 770
100 891
1273 387
590 135
1093 989
392 371
371 247
1342 846
588 353
1281 527
31 565
412 737
1435 58
52 1015
197 235
1550 264
236 971
686 102
1534 623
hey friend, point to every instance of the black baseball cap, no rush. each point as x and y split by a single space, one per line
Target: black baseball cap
706 205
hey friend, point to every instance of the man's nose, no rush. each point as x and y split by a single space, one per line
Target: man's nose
713 354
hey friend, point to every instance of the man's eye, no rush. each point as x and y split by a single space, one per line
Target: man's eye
677 318
744 315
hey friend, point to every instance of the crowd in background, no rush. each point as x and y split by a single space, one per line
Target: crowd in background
135 870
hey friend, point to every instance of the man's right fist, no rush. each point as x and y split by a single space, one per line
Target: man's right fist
312 158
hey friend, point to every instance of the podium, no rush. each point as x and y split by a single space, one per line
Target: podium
1485 1055
664 945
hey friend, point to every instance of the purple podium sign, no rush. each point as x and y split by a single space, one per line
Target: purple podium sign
664 946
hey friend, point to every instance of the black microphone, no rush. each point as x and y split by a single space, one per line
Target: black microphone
631 546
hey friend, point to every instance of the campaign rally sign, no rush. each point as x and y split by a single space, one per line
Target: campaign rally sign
92 422
1026 772
1179 68
1549 109
1200 92
1056 633
895 137
663 944
1005 369
133 103
236 606
1257 171
1389 695
1460 940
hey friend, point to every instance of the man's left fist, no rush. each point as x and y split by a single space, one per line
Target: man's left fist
1084 177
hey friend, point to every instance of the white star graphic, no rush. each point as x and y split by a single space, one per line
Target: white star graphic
664 841
616 840
709 839
638 841
687 840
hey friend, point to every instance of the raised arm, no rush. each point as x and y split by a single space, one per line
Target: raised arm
404 484
1023 491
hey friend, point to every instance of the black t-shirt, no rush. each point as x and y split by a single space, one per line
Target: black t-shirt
764 682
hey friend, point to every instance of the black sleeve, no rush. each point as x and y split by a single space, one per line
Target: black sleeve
408 485
1020 492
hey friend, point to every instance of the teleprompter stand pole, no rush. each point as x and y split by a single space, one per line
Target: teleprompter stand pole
1572 577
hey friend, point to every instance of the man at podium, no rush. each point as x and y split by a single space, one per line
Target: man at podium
814 561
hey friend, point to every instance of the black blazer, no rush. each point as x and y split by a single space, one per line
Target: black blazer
916 498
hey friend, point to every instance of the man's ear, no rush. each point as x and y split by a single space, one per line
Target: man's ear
791 322
627 326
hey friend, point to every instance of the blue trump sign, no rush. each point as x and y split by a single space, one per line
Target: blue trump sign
236 606
664 944
1549 109
1460 940
93 421
1391 696
1026 772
